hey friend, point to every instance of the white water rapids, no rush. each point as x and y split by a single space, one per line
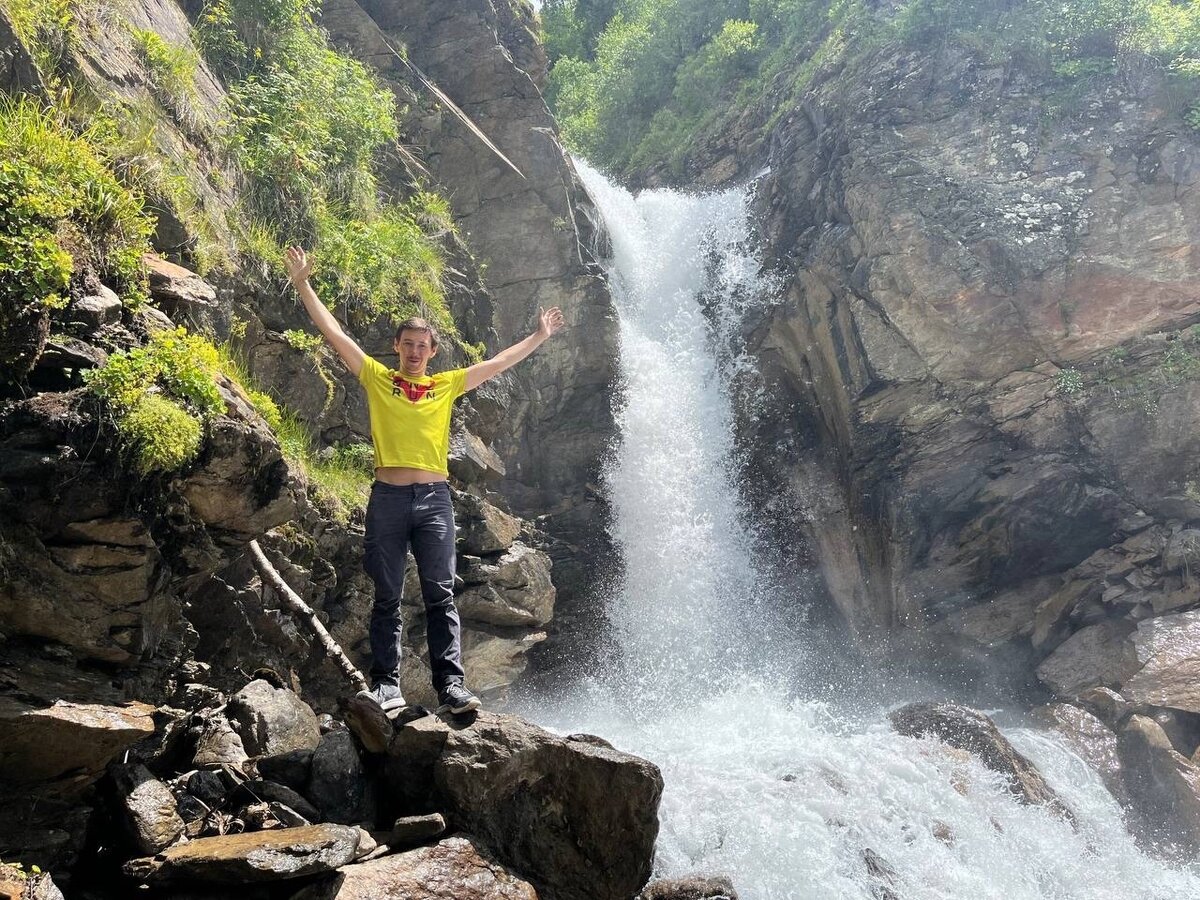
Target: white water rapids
781 792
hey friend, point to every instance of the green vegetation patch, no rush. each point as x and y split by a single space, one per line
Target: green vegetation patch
635 82
309 126
172 71
161 395
46 28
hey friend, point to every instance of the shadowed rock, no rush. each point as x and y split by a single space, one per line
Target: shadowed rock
715 888
273 720
147 807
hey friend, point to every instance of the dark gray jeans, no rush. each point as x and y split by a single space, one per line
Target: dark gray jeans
420 514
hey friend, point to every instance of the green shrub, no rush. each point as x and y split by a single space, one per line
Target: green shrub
160 395
61 209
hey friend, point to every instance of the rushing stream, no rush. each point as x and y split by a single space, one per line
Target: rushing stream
789 796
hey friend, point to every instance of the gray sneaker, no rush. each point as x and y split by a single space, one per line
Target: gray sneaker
456 699
388 696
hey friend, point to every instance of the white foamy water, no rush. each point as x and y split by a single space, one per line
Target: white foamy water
789 797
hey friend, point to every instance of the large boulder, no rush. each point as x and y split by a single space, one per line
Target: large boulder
338 784
1168 649
1093 740
63 748
483 528
457 868
273 720
252 857
146 807
511 589
1099 655
972 731
577 818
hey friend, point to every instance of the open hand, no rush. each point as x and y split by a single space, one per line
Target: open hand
298 265
549 321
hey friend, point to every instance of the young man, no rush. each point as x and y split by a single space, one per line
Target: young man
410 499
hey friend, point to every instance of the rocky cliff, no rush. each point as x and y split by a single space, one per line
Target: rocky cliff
981 373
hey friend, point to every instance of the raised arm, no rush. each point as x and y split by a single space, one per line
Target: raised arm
299 268
549 321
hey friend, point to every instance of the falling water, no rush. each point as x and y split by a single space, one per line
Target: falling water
788 796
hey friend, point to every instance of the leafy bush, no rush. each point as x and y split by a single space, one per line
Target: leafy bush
61 208
160 396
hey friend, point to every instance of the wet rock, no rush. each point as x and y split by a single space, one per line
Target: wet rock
273 720
258 856
146 808
516 589
1097 656
457 867
338 786
969 730
483 528
1089 737
65 747
292 768
1168 651
577 818
1163 786
695 888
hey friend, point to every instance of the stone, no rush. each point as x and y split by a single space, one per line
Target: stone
71 353
482 527
65 747
17 884
693 888
292 768
408 830
1168 651
517 589
273 720
1182 553
1091 739
257 856
180 293
499 778
1107 704
208 786
96 310
146 807
1096 656
458 868
368 722
971 731
1163 786
471 460
259 790
338 785
217 744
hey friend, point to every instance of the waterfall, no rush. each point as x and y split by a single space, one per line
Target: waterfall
790 796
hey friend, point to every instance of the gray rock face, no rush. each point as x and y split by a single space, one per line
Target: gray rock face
511 589
1168 649
252 857
456 867
500 778
972 731
1097 656
715 888
273 720
337 785
218 744
1094 741
147 807
409 830
484 528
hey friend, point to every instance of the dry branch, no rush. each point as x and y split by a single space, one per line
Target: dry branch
293 602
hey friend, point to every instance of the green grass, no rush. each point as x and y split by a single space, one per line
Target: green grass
62 209
161 395
47 28
172 72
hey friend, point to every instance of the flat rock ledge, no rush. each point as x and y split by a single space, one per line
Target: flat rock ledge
252 857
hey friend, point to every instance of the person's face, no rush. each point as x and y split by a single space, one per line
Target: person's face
415 351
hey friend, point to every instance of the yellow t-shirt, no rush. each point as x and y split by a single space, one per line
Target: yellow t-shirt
410 420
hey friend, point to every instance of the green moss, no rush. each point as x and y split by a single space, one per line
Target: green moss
61 208
160 396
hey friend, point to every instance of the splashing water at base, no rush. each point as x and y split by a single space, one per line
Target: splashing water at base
790 798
